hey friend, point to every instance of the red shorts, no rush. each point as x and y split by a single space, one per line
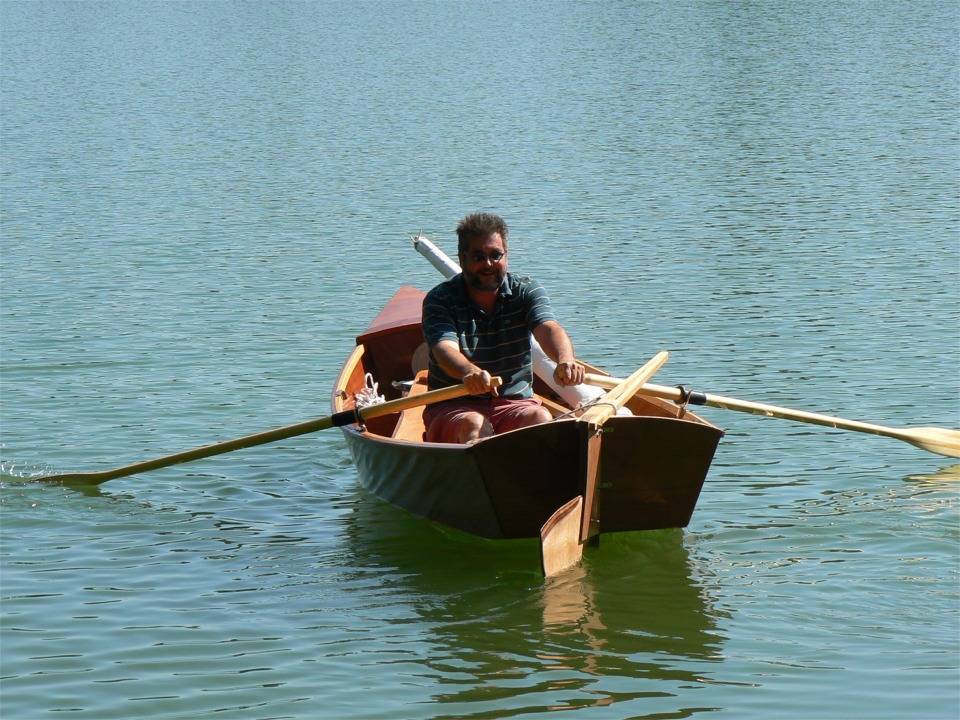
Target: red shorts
504 414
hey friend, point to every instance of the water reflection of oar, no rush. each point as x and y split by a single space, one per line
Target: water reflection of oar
942 441
340 419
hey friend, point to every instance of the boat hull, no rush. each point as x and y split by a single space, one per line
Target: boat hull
650 477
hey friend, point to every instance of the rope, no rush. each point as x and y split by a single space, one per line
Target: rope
370 394
585 406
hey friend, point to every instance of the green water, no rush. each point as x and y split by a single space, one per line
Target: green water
203 203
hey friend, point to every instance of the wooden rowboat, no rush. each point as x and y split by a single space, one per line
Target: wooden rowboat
647 474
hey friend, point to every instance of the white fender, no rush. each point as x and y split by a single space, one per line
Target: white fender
543 366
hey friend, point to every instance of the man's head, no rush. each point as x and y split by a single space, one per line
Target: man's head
482 249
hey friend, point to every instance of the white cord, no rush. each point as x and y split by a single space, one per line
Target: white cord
370 394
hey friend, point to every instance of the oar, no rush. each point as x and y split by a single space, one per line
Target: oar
942 441
563 535
347 417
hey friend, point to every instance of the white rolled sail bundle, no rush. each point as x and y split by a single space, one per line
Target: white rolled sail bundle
437 257
543 366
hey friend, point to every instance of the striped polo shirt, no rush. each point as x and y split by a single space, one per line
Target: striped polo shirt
499 342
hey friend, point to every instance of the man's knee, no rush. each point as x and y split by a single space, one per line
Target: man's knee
472 427
534 416
544 415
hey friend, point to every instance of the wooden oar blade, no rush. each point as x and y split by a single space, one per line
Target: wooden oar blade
90 478
560 546
942 441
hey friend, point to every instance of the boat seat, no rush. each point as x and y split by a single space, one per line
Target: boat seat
410 425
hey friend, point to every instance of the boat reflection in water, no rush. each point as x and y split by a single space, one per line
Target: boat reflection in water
635 623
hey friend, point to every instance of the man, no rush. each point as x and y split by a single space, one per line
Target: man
477 325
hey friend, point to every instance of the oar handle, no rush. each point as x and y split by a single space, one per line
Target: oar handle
404 403
347 417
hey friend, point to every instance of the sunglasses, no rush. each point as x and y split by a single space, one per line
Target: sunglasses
479 257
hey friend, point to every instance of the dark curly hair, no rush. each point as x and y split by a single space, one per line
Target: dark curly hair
480 225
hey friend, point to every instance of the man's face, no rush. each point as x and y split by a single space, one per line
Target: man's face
484 264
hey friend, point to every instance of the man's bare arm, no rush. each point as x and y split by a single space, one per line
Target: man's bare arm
558 347
455 364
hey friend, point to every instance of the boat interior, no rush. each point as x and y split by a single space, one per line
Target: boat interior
392 353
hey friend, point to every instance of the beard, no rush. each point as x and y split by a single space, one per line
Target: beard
488 280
